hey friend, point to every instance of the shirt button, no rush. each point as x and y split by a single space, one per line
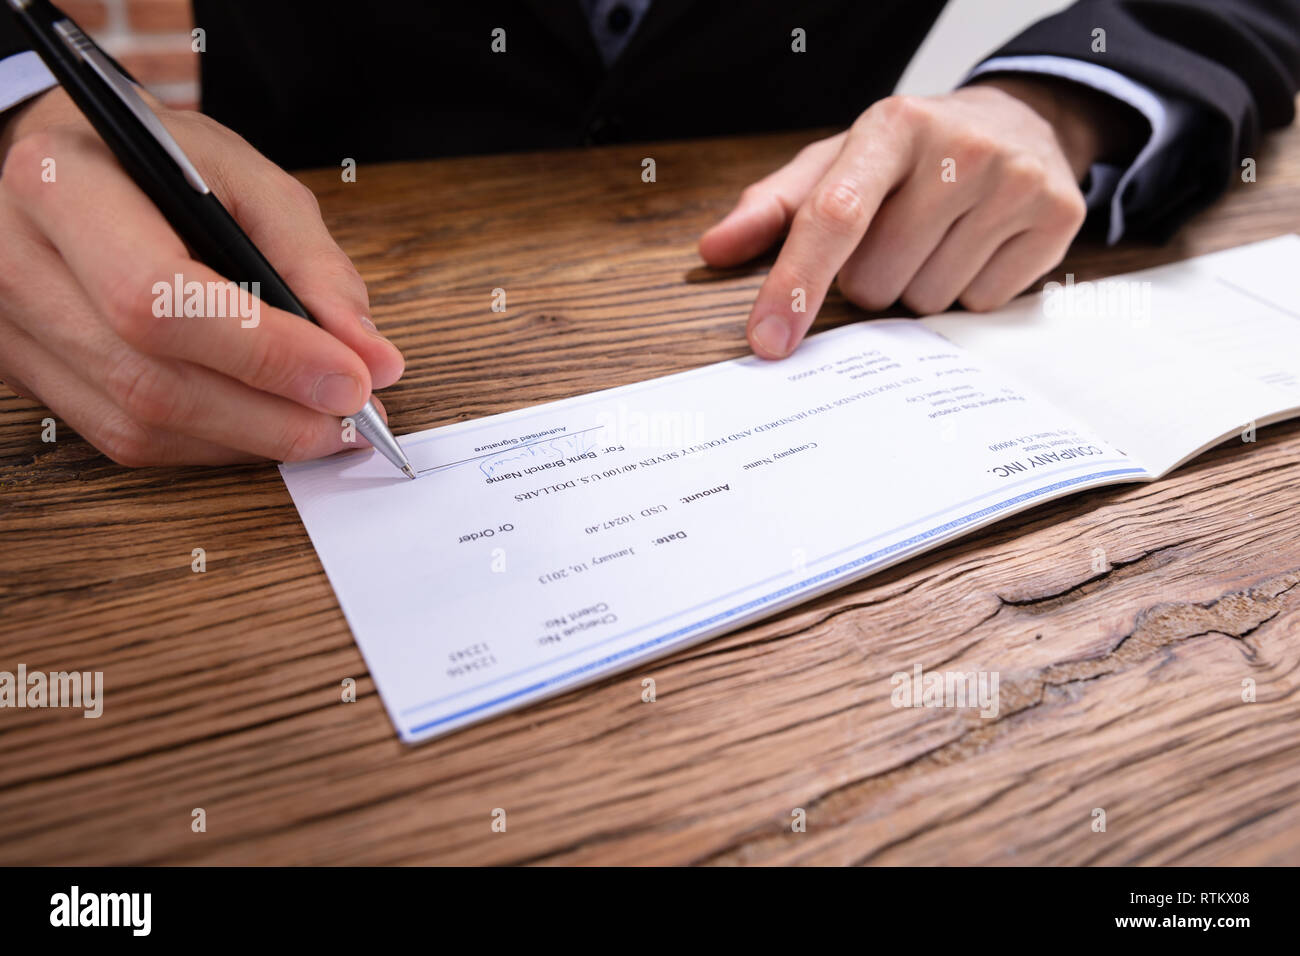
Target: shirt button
618 19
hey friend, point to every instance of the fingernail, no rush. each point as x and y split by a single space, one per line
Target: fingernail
369 326
772 335
372 328
339 393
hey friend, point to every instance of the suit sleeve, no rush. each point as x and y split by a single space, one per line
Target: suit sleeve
1235 64
22 74
12 39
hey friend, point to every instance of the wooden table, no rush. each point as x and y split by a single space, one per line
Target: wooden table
1120 690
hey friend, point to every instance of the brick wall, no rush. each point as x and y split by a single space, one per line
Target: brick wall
151 38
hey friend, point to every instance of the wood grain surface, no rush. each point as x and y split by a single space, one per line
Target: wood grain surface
1121 690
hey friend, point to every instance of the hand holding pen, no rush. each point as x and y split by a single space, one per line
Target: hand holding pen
85 248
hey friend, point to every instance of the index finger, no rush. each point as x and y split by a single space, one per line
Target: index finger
875 156
282 217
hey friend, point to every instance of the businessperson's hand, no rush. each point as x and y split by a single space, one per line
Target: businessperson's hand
967 197
84 249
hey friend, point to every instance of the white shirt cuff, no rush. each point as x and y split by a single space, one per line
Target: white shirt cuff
22 76
1166 115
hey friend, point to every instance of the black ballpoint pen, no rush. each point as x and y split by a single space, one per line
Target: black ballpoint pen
113 105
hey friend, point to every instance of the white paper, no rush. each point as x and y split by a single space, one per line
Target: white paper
552 546
1162 362
555 545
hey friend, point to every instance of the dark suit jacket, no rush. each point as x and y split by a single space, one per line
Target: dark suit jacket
401 79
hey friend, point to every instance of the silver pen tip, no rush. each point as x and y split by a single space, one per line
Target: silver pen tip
408 471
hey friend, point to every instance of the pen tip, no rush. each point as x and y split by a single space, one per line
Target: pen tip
408 471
